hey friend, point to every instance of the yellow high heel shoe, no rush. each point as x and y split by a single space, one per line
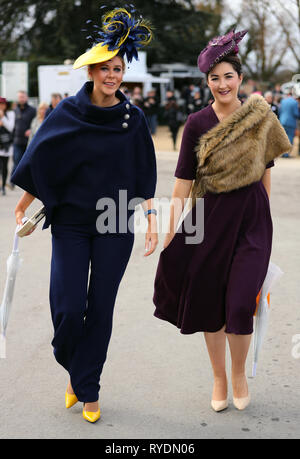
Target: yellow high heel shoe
70 399
91 416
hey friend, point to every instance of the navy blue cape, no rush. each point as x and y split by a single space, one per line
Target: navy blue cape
82 153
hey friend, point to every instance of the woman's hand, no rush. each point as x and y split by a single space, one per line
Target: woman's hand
151 239
266 180
19 216
181 192
22 205
31 231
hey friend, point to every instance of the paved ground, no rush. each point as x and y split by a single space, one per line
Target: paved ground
156 383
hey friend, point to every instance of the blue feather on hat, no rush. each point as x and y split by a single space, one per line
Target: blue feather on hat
121 30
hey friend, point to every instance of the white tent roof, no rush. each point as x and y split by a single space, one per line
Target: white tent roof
136 72
144 78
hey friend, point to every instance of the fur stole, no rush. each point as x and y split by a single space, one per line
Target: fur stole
235 152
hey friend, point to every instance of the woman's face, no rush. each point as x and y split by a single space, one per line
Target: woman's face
224 83
107 76
42 111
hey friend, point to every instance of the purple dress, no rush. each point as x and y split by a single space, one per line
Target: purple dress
204 286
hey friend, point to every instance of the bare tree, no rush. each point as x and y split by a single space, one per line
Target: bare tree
265 49
273 29
287 15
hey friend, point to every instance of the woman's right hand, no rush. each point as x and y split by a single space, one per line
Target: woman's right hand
22 205
19 216
181 192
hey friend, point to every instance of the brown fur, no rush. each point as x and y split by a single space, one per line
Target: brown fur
235 152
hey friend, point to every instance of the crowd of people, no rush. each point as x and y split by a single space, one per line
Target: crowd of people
178 105
20 121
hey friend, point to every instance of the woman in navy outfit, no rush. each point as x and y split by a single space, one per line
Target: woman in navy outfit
225 159
88 161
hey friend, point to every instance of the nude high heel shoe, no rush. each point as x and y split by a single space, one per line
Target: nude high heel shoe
241 403
219 405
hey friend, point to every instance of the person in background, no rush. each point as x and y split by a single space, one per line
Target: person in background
269 98
173 116
137 97
242 95
55 99
288 116
125 91
297 131
277 94
7 124
197 102
37 121
188 95
207 96
24 114
151 110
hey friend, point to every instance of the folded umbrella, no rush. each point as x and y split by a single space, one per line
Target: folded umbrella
13 263
262 312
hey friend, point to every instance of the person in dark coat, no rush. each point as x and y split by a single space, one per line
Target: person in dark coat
213 266
269 98
24 114
151 108
90 163
173 116
197 101
7 124
55 100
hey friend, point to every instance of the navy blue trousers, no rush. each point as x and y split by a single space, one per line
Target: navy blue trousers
86 270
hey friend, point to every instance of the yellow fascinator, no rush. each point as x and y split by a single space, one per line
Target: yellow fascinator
121 34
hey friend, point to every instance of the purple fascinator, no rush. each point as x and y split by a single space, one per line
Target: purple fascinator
219 47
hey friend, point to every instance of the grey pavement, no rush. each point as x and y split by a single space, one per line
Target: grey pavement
156 383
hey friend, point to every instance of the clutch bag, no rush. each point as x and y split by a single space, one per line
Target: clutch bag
31 222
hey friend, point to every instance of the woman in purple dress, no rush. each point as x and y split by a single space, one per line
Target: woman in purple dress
226 154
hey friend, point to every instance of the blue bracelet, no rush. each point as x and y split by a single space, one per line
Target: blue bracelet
150 211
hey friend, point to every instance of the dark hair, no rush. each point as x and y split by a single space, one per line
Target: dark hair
232 59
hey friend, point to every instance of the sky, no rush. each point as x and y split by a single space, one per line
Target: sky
288 59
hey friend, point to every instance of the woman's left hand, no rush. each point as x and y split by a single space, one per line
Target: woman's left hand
151 239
